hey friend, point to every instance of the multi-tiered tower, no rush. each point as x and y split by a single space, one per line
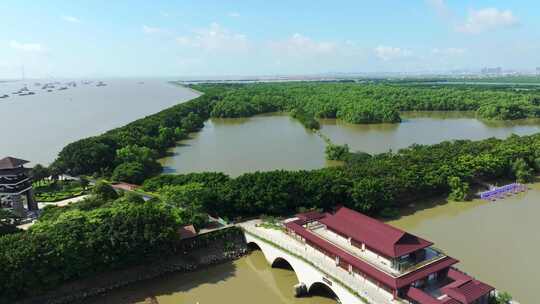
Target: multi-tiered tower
16 186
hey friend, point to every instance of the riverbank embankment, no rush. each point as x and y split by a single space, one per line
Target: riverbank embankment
208 249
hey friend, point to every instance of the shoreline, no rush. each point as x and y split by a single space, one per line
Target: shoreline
216 253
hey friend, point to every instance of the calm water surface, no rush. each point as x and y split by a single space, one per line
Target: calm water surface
240 145
495 241
245 281
37 127
269 142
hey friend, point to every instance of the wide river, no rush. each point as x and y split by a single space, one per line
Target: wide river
36 127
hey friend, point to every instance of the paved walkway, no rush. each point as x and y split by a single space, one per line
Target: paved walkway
59 204
63 202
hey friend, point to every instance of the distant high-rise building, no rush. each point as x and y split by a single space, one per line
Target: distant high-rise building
492 71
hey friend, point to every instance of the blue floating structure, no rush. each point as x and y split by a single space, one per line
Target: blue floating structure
500 192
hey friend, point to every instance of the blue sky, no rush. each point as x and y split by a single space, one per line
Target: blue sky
197 38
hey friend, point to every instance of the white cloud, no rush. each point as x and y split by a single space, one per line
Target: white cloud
26 47
449 51
152 30
234 14
215 38
71 19
440 7
487 19
387 53
299 44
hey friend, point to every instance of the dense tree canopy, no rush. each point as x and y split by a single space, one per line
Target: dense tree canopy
370 103
85 238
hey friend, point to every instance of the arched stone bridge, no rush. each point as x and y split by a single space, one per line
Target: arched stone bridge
305 272
312 268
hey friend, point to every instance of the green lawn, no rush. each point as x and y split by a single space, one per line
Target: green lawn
48 191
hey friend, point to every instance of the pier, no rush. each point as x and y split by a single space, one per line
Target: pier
501 192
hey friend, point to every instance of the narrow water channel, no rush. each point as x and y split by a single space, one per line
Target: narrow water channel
270 142
247 280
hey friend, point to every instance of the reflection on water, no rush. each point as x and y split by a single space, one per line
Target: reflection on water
269 142
495 241
422 128
237 145
245 281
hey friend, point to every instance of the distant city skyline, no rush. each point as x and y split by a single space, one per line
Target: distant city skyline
64 39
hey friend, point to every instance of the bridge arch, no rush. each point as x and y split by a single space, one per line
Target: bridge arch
253 246
323 290
305 272
282 263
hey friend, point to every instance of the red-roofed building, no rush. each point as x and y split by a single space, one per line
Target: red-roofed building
187 232
402 264
125 186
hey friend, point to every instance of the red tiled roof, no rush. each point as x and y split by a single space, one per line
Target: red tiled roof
421 297
125 186
457 275
465 289
365 267
187 232
11 163
381 237
449 300
310 216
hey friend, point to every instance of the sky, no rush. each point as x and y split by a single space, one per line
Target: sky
186 38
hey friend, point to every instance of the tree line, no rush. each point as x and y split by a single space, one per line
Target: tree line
372 102
378 185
